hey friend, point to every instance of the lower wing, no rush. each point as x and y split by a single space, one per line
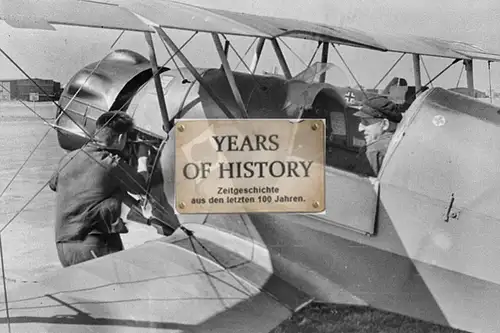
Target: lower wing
207 282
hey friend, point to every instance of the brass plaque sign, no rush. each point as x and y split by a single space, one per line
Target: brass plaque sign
250 166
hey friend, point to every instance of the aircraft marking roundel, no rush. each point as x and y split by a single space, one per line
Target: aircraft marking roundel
438 121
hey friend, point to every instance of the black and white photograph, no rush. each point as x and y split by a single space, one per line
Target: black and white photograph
249 166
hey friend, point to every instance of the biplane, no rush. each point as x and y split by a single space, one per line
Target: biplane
418 239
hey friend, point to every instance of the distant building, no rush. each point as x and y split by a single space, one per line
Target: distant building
20 89
5 89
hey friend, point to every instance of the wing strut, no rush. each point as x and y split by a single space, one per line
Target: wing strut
426 71
256 57
470 76
324 59
194 72
417 75
489 79
229 74
281 58
157 79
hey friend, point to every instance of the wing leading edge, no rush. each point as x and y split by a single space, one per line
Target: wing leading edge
160 286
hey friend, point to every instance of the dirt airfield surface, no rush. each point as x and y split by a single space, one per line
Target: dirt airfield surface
29 152
28 241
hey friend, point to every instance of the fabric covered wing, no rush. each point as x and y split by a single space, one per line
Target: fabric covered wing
139 15
34 14
160 287
136 15
434 47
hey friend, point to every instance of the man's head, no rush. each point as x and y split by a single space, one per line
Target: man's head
376 118
112 129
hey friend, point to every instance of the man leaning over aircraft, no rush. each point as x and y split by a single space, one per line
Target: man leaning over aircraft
378 121
91 184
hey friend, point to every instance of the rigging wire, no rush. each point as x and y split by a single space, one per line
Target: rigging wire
22 166
175 53
172 57
246 52
64 111
291 50
435 77
117 39
4 280
92 138
242 61
314 55
389 71
352 74
89 76
38 86
188 232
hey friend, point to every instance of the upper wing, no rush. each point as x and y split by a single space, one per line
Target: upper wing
136 15
190 284
34 14
139 15
434 47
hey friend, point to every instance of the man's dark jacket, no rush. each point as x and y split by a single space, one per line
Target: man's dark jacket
90 183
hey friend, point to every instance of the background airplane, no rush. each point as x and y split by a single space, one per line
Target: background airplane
402 243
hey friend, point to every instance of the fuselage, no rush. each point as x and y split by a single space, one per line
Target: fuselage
418 240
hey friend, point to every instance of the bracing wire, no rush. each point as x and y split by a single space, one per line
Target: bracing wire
187 231
242 61
389 71
152 199
38 86
246 52
91 137
314 55
63 110
293 52
90 75
22 166
350 71
4 280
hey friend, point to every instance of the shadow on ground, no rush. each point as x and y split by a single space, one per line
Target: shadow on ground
332 318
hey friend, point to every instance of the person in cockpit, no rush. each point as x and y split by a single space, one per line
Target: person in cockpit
378 121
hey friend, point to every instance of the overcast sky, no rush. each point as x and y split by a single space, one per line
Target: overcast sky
59 54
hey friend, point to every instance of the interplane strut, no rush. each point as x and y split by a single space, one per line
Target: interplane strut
157 80
229 74
324 59
194 72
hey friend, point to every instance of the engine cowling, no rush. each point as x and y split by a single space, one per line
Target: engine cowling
97 88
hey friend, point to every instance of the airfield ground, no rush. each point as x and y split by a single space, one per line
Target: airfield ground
28 241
